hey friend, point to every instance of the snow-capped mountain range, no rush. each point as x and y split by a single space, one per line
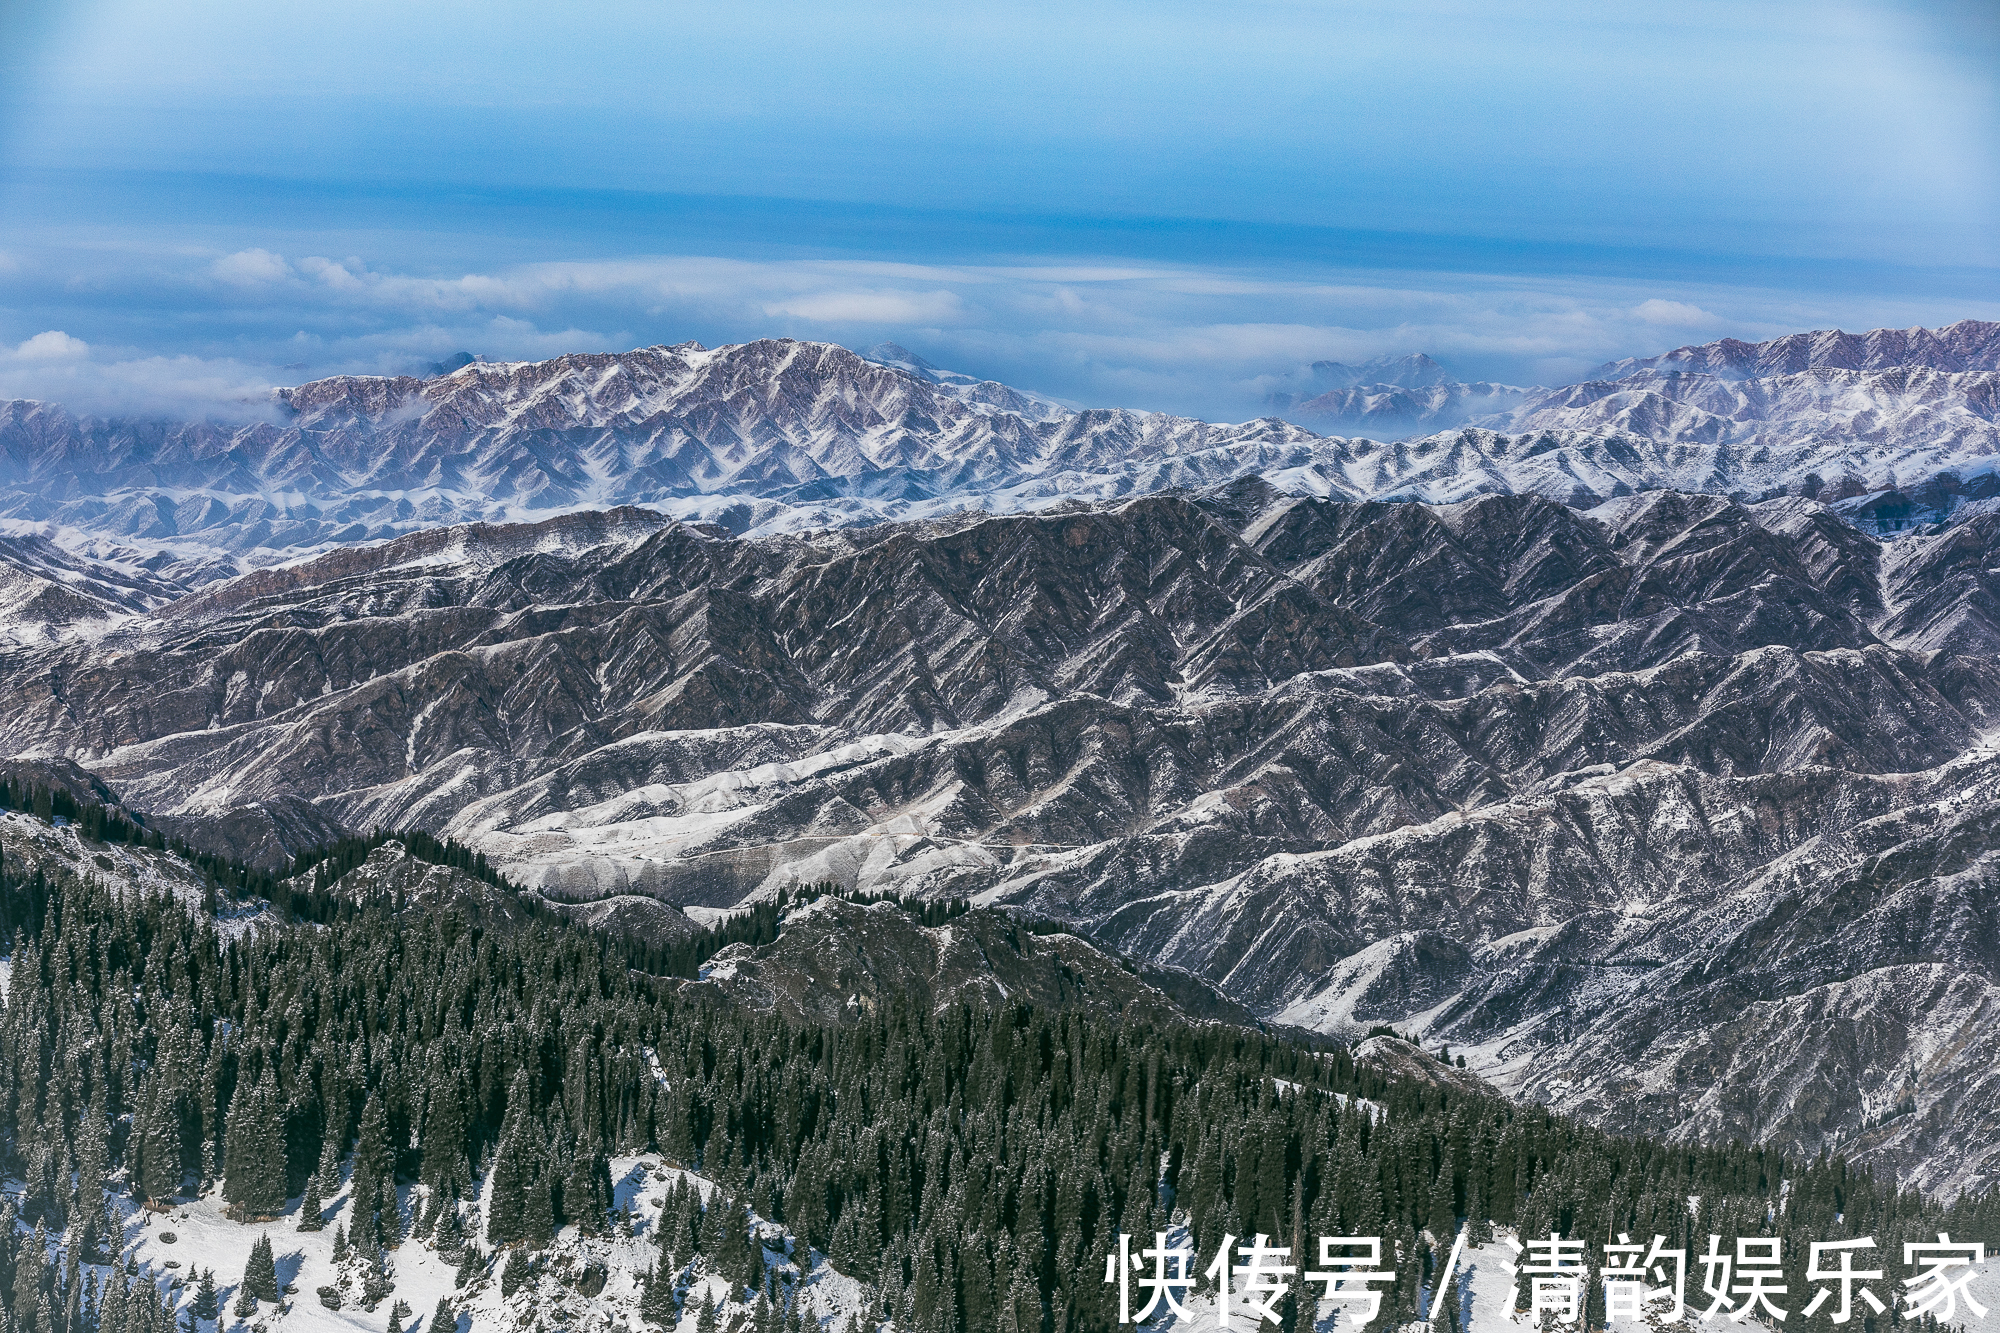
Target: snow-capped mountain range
776 435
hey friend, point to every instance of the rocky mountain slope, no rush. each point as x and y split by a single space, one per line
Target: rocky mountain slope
1638 804
47 591
1826 415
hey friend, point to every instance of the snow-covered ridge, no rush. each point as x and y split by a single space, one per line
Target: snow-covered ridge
777 435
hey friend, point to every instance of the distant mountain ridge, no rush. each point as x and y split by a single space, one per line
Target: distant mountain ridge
1902 422
778 436
1970 344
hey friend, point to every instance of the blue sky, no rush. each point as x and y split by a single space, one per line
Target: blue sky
1159 205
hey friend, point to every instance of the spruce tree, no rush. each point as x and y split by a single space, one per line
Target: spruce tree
375 1283
514 1274
656 1297
506 1210
260 1274
538 1213
390 1212
254 1150
158 1142
586 1190
444 1166
312 1209
372 1156
207 1305
1443 1204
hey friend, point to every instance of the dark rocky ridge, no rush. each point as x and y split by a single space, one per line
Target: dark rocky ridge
1634 805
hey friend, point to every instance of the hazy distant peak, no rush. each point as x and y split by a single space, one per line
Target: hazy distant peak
899 356
1411 371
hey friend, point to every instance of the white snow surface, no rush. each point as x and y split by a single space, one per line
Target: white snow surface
205 1238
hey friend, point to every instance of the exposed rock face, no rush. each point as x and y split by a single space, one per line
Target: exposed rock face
413 887
1387 411
741 433
1402 1061
1674 811
46 590
630 916
391 877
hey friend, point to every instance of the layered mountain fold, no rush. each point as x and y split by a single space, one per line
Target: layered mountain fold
1674 810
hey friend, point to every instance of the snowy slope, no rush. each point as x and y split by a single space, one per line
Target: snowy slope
204 1238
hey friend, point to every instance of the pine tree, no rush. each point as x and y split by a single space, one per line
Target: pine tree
656 1297
586 1189
158 1141
207 1305
364 1208
30 1261
506 1213
312 1209
736 1254
444 1319
538 1212
390 1212
514 1273
260 1274
375 1283
254 1170
328 1170
1443 1204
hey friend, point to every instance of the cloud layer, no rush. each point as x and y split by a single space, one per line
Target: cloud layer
135 328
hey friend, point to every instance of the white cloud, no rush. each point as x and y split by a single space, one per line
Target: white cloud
203 333
55 367
872 307
249 268
1672 314
54 345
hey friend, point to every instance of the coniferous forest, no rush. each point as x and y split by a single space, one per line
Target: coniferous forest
467 1083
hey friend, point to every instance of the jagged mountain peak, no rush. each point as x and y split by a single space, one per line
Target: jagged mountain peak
1968 345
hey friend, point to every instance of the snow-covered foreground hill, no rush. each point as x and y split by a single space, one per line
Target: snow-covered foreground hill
589 1284
596 1284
